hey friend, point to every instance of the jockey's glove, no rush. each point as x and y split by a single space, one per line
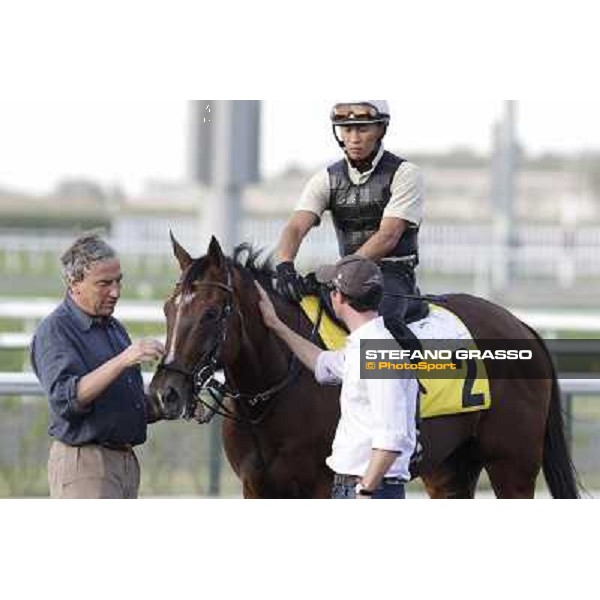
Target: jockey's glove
289 283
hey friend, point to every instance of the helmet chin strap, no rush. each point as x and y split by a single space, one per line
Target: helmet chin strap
366 163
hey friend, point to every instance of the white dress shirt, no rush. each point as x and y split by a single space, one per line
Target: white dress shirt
375 413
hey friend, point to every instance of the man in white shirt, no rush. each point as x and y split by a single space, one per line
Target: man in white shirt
376 434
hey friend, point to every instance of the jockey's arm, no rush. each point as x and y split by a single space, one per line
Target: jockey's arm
380 244
301 222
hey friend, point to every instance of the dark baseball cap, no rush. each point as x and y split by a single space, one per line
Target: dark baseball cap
354 276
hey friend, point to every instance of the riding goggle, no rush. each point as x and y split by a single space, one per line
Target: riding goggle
359 114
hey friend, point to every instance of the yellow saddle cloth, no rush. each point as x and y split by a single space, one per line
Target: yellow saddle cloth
469 391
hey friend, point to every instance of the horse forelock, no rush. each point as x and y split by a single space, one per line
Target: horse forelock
194 273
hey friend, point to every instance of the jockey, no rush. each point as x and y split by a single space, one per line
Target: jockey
376 202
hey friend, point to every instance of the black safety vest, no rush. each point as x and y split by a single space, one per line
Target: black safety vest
357 210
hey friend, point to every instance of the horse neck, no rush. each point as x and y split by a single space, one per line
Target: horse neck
263 359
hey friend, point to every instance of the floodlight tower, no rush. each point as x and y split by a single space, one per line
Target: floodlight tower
504 168
225 156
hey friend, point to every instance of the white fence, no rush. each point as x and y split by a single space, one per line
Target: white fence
548 323
451 249
29 309
26 384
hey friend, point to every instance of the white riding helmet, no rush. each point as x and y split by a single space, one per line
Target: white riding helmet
360 112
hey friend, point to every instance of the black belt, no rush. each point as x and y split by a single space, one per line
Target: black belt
354 479
108 445
399 263
118 447
411 258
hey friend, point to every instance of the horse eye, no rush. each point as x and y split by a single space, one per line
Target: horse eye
211 313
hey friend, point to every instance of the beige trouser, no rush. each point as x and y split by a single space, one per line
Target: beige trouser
92 472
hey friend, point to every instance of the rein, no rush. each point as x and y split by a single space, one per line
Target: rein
220 392
202 374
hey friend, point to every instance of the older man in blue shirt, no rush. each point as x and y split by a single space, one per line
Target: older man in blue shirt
90 372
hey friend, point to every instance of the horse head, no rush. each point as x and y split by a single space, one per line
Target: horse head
200 315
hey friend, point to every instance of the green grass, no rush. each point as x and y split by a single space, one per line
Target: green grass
586 408
175 460
24 276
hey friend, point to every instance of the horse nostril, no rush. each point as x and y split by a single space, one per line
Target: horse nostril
170 396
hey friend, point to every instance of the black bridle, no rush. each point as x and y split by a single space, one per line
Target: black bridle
202 374
208 365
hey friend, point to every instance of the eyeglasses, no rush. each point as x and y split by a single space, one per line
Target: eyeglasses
354 112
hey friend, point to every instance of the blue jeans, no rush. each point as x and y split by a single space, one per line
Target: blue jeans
385 491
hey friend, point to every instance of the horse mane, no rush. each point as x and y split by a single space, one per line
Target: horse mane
249 260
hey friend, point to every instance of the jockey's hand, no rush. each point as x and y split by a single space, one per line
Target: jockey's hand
289 283
310 285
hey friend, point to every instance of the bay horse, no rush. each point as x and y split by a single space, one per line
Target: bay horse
280 423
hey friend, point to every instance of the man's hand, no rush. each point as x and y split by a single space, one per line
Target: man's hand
90 386
141 351
267 309
289 283
304 349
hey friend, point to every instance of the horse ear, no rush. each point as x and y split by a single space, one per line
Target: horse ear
180 253
214 251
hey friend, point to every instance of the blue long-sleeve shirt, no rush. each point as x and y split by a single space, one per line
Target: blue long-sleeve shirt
69 344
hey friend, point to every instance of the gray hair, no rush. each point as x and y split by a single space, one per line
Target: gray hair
83 252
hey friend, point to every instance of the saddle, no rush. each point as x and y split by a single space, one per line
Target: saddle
418 309
397 326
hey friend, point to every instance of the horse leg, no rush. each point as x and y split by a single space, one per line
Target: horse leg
248 492
457 476
511 436
510 479
323 486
